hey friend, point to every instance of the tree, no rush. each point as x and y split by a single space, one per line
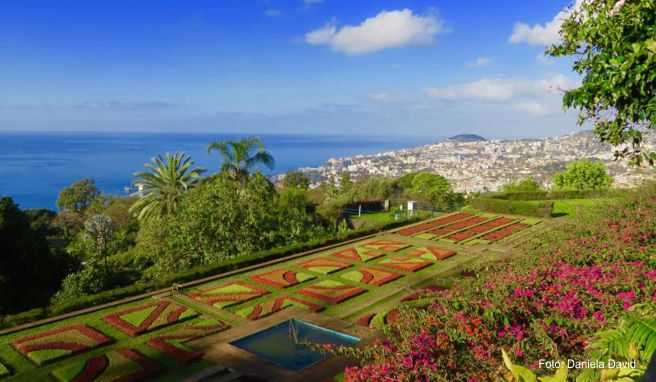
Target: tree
79 196
240 157
525 185
222 219
29 271
345 182
296 179
583 175
99 230
614 45
164 183
433 188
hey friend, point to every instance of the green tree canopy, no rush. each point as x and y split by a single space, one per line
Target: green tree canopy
241 157
222 219
79 196
164 183
614 45
583 175
432 188
29 272
296 179
524 185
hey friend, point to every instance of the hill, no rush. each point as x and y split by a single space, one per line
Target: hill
467 138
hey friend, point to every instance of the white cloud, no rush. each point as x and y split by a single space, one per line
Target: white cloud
535 97
479 62
271 12
380 97
531 107
500 89
545 34
388 29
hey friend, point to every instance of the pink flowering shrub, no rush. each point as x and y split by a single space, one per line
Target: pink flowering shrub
544 304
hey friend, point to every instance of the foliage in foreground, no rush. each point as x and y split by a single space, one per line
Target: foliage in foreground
614 45
546 304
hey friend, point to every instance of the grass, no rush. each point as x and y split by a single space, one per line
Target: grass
378 218
573 207
343 293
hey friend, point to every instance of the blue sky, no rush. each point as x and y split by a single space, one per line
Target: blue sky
425 68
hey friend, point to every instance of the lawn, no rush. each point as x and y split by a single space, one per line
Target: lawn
149 337
572 207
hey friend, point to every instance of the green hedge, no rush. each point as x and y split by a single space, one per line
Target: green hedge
554 195
190 275
539 208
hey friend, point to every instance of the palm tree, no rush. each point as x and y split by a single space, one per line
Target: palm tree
161 187
240 157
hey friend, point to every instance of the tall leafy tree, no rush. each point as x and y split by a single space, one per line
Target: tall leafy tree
164 183
29 271
614 46
239 158
583 175
524 185
78 197
296 179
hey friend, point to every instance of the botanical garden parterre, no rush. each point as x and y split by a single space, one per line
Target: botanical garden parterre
358 283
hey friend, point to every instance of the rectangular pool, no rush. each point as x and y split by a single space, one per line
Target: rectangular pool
285 344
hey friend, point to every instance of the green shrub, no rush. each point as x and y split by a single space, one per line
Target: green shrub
554 195
230 264
540 208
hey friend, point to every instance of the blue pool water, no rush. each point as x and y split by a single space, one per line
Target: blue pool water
277 345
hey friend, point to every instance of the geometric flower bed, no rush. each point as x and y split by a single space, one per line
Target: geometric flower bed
430 253
492 224
324 265
505 232
175 348
144 318
228 294
471 232
358 254
433 223
411 264
378 320
197 329
371 276
331 291
387 245
173 343
59 343
268 307
3 370
458 226
125 365
281 278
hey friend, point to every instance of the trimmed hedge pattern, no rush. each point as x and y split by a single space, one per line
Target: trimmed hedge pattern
59 343
190 275
144 318
125 365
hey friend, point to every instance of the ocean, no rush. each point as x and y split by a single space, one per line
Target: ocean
34 167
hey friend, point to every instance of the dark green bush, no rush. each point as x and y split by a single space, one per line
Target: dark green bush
227 265
538 208
554 195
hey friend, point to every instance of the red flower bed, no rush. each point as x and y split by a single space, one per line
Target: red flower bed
433 223
458 226
155 315
505 232
71 340
124 365
498 222
545 304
